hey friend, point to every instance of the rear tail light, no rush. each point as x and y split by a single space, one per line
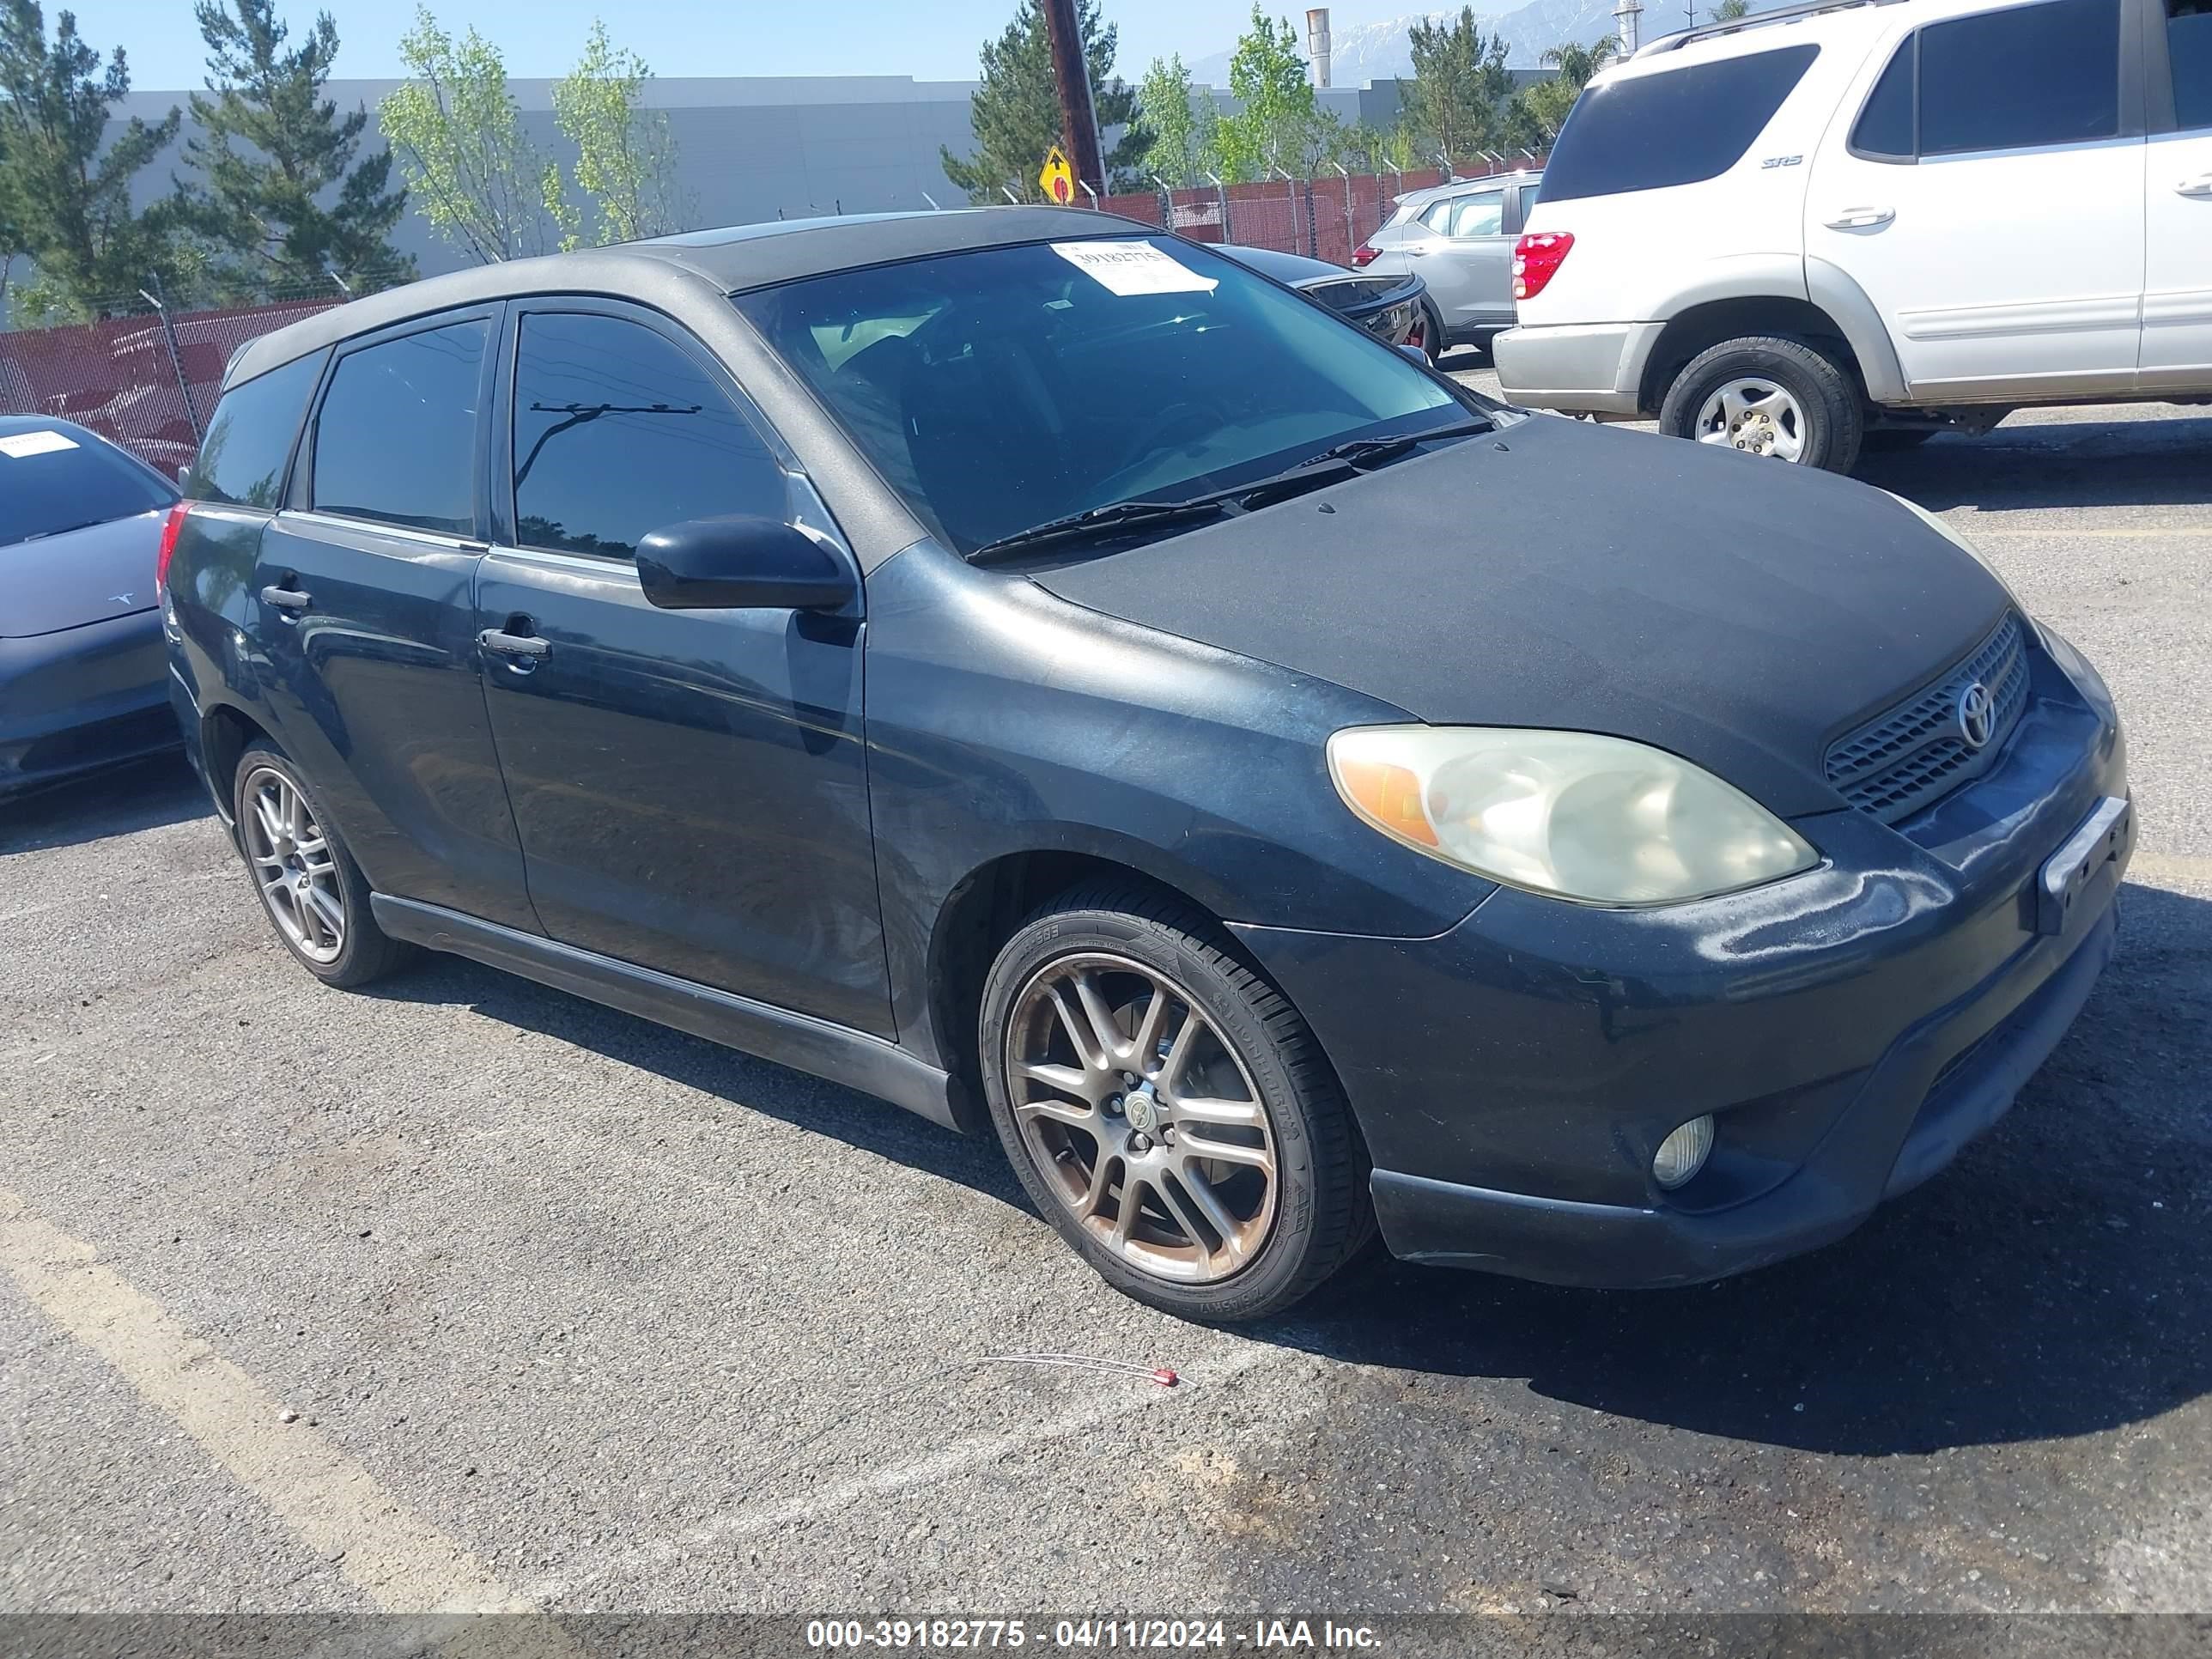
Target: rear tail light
1537 257
1364 256
167 550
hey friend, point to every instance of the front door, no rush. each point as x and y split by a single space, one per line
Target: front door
1987 194
690 786
2177 340
367 616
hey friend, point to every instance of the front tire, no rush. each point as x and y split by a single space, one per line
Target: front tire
1167 1110
1767 397
314 894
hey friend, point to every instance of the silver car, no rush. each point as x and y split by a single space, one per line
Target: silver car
1458 238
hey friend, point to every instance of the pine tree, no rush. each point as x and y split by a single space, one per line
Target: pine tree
1016 111
1459 87
283 193
65 185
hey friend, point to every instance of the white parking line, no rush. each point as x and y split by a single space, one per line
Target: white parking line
338 1507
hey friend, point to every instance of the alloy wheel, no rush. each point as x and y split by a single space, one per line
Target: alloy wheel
294 865
1142 1117
1754 415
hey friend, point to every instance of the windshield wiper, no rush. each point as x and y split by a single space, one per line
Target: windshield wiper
1362 451
1115 515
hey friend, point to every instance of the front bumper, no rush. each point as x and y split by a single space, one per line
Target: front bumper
1851 1029
83 698
1582 368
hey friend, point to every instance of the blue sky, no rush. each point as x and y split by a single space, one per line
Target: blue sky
930 40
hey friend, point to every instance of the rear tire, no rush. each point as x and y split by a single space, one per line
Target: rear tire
1167 1110
1766 396
314 894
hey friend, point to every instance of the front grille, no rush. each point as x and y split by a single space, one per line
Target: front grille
1910 757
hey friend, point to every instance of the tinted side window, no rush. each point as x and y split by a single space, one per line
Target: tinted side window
241 460
1673 127
397 437
2011 80
1479 216
617 432
2189 41
1884 125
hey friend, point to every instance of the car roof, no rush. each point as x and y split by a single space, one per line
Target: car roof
1428 193
729 260
1292 268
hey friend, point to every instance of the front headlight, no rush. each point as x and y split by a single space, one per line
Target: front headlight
1599 820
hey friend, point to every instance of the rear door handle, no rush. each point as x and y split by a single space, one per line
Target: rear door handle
2200 186
500 643
1862 218
286 598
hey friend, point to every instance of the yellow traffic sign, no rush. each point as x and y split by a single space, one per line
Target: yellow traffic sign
1058 178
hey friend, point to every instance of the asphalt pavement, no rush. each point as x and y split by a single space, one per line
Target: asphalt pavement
464 1293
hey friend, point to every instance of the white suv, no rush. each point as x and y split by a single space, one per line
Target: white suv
1868 221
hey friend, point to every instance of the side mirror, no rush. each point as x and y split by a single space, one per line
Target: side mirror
1416 354
741 564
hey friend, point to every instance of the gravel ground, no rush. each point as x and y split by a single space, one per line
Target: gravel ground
465 1289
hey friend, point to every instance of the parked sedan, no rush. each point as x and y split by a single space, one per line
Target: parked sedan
1458 238
82 679
1032 669
1393 309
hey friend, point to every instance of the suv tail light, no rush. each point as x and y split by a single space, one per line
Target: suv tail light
1363 256
170 527
1537 257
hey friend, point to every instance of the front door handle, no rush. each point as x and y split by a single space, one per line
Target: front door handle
523 647
1862 218
286 598
2200 186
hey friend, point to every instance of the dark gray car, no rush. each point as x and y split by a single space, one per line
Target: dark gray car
81 675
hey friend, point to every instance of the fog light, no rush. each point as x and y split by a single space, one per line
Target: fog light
1683 1153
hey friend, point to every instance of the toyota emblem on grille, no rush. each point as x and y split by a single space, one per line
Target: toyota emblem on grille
1978 714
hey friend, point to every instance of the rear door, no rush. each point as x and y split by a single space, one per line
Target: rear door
2177 338
1466 256
689 785
1984 185
363 592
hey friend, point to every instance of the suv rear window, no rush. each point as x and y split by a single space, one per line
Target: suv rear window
241 461
52 481
1676 127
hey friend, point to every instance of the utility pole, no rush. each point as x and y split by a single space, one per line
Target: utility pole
1078 120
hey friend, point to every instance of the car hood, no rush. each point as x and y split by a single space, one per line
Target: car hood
80 576
1739 613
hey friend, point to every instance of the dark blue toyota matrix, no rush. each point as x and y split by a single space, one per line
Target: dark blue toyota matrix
1030 668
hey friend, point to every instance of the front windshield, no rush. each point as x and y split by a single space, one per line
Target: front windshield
51 482
1008 387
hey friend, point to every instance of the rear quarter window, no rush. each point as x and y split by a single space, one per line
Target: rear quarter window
248 446
1674 127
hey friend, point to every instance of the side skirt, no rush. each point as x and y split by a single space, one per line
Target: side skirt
805 1044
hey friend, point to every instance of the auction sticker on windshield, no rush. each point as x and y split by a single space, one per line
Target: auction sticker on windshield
1129 268
20 445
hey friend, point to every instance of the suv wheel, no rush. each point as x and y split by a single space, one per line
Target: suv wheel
315 893
1167 1110
1767 397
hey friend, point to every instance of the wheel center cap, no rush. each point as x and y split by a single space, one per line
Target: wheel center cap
1141 1108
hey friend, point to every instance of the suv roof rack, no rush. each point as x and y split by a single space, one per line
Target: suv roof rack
1681 38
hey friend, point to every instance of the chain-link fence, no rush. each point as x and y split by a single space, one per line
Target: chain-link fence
1323 218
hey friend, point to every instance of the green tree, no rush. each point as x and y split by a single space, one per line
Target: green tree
1277 123
459 136
1016 111
1729 11
1457 98
1178 135
625 155
282 192
65 182
1538 111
